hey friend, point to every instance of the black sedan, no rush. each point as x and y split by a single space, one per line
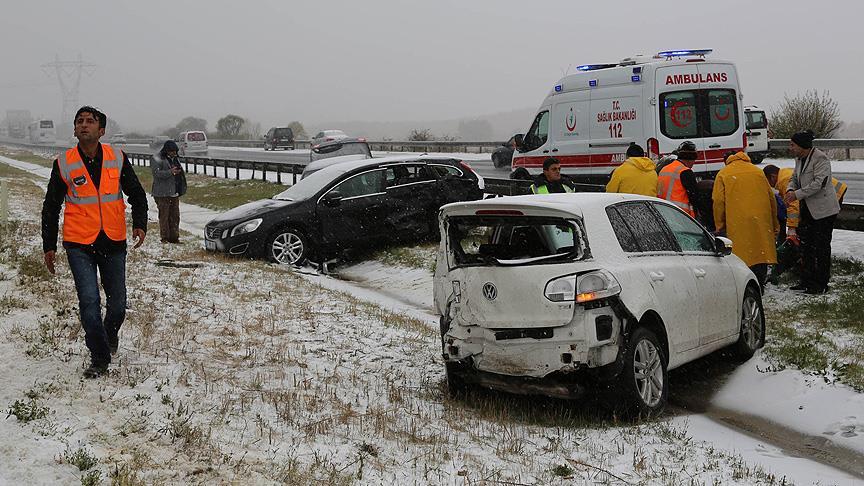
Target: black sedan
355 204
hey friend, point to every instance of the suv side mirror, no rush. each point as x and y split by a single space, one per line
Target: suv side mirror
332 198
722 245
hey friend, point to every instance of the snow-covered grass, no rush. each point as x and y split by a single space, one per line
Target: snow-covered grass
239 371
821 335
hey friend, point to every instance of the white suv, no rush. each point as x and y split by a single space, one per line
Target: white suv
549 294
757 133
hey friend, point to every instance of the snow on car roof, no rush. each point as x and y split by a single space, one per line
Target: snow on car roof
577 202
358 164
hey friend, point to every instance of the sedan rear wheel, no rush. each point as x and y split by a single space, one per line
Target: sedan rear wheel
752 330
288 247
644 380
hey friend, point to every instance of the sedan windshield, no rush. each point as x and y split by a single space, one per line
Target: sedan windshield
507 240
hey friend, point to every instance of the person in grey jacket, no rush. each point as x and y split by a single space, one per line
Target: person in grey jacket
811 185
169 183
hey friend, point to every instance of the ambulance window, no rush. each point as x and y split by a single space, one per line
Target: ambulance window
538 134
722 113
679 118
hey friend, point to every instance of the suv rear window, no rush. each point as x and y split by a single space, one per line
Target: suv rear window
509 240
699 113
756 120
283 133
337 149
195 136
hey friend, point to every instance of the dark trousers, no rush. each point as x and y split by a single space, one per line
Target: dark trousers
761 272
84 263
815 235
169 218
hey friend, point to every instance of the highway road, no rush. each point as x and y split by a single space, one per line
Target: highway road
481 163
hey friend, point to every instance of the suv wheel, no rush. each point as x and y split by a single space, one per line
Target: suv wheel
288 246
751 334
644 380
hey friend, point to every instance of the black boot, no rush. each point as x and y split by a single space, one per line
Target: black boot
96 370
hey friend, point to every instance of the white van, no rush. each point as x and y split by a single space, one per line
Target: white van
757 133
590 117
193 142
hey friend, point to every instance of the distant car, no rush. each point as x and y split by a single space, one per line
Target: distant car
327 136
158 142
558 294
117 138
350 205
338 148
503 155
279 137
193 142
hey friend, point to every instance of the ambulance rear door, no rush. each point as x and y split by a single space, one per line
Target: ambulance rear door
721 115
677 101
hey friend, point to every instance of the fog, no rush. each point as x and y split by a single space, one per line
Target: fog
320 62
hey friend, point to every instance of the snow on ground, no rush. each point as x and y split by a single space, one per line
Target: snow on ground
240 370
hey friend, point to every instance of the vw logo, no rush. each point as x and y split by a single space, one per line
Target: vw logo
489 291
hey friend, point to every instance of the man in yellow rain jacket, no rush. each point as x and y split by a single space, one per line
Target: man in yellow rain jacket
636 175
746 210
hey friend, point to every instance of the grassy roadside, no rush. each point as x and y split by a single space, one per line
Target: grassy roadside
821 335
205 191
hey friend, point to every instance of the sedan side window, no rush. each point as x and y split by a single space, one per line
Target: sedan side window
649 232
688 233
363 184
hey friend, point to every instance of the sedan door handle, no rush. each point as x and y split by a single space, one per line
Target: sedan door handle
554 150
657 276
545 151
716 145
700 273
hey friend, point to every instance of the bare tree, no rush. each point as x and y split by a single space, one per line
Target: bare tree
298 130
805 111
420 135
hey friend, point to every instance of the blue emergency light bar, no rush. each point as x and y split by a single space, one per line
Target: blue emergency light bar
592 83
636 78
685 52
594 67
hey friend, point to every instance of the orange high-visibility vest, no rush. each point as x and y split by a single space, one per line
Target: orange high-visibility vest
669 187
90 209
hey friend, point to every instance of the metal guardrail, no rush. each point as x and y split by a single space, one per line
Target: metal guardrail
212 166
847 144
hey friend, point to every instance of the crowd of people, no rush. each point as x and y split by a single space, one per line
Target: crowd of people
778 219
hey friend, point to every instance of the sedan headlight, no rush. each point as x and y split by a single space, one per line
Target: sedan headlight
247 227
589 286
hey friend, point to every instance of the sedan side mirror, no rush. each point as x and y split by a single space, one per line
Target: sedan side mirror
722 245
332 198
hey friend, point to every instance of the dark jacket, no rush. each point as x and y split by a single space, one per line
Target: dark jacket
56 194
554 187
166 184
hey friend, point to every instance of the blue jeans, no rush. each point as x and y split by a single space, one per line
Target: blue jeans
84 263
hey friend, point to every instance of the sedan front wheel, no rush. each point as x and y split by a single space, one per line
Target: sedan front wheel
751 334
288 247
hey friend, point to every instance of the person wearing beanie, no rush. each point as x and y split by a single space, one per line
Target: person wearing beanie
811 185
745 210
636 175
169 183
676 182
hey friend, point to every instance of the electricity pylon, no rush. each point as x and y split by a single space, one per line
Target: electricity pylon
68 74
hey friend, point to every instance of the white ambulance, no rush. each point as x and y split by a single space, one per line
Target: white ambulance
590 117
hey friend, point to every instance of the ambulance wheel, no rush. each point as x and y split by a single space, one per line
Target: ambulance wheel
756 158
644 380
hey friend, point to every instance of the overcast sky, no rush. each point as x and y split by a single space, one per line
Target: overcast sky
278 61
